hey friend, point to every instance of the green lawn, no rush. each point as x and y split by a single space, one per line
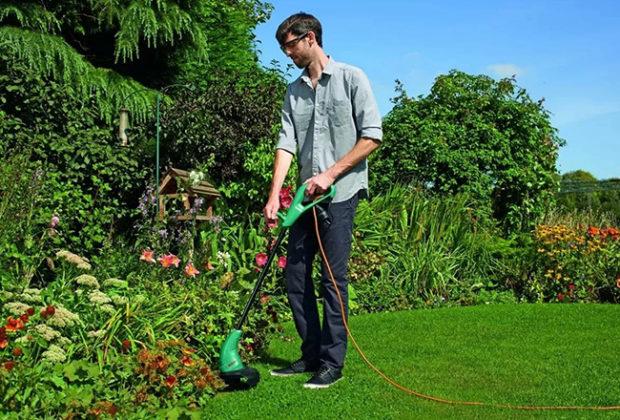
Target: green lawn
516 354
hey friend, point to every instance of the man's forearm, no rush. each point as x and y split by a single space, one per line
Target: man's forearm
362 149
281 165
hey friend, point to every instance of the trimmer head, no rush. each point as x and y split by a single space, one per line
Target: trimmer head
241 379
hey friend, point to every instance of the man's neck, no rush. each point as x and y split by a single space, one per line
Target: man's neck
316 67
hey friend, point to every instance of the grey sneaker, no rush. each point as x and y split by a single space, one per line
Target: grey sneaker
324 378
295 368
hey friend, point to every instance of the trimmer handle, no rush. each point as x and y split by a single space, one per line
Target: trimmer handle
298 207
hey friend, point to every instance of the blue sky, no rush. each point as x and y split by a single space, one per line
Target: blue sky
565 51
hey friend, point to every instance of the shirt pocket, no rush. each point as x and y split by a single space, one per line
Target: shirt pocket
339 112
301 121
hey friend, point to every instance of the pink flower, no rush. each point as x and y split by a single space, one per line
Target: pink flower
54 221
282 262
168 260
190 270
285 197
261 259
561 297
148 256
272 223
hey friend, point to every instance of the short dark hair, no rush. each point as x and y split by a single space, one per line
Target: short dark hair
299 24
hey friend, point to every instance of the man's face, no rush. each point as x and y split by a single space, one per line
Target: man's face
296 47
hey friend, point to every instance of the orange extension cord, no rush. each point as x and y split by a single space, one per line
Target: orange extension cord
430 397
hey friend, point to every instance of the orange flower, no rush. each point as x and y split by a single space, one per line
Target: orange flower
9 365
168 260
186 361
13 324
3 343
594 231
190 270
17 352
264 298
208 266
171 381
148 256
618 282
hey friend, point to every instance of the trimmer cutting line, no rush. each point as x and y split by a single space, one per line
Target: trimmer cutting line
237 376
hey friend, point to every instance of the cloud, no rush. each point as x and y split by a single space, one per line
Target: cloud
506 70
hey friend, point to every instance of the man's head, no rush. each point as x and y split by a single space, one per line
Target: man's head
298 35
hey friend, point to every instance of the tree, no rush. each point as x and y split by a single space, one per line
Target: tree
476 135
109 48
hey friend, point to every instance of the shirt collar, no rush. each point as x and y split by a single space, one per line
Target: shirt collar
328 70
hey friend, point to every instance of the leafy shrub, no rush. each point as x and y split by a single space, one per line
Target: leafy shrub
89 182
475 135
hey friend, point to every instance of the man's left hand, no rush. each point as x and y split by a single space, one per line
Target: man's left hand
318 184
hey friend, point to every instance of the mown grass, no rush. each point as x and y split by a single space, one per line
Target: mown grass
514 354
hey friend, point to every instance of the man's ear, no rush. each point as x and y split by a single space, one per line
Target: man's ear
311 37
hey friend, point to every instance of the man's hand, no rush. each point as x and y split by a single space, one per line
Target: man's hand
319 184
271 211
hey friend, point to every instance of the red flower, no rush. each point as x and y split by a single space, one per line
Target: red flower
126 344
190 270
24 318
186 361
148 256
30 311
261 259
9 365
285 197
168 260
264 298
571 287
47 312
282 262
17 352
171 381
560 297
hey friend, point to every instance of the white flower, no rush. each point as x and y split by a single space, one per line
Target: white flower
79 262
33 291
119 300
108 309
96 334
63 318
114 282
54 354
64 341
17 308
87 280
30 297
195 177
23 339
47 333
98 297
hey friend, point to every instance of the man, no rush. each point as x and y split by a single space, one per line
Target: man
330 120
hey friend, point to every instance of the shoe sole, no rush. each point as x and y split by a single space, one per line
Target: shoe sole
284 375
316 386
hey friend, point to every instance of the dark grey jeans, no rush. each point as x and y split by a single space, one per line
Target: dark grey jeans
326 344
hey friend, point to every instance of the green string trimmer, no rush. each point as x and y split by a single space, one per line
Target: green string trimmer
232 370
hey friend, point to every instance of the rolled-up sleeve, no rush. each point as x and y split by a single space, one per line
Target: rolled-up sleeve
286 140
365 109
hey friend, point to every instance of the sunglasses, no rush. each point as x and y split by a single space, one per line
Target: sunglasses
292 42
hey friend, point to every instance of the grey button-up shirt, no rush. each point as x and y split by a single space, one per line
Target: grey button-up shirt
322 125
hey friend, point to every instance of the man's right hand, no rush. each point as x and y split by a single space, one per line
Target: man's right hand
271 211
